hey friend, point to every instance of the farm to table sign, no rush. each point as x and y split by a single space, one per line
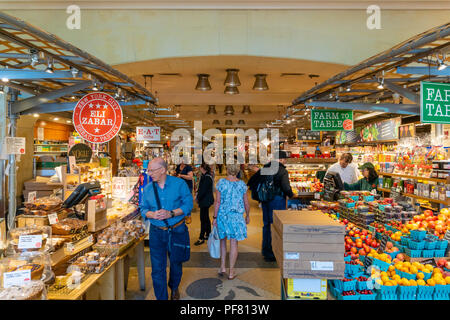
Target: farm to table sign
97 117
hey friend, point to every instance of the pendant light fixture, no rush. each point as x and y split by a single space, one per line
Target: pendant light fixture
216 122
232 79
49 68
241 122
260 82
231 90
212 109
228 123
203 82
229 111
246 110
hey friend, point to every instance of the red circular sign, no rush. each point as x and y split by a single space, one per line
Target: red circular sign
97 117
348 124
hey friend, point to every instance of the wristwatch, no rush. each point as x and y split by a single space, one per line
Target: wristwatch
172 213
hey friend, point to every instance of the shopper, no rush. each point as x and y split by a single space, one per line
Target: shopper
279 202
231 203
368 183
185 172
347 170
205 199
167 201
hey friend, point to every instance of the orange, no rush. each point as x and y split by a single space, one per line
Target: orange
413 270
447 279
420 275
391 268
421 282
388 283
431 282
412 282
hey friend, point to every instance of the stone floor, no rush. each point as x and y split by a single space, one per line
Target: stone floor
257 279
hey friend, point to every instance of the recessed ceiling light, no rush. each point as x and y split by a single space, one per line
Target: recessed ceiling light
68 121
5 79
56 119
35 115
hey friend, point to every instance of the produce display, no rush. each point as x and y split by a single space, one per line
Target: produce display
303 179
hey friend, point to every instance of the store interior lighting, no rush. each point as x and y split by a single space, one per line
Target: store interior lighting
5 79
49 68
35 115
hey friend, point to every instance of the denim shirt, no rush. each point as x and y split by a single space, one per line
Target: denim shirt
175 195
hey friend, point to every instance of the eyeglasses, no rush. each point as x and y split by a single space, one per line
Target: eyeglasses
153 170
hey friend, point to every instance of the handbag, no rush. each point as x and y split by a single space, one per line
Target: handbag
214 244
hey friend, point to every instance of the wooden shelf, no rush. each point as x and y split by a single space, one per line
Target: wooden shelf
418 197
411 177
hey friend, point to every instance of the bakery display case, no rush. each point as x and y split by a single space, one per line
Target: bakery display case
303 177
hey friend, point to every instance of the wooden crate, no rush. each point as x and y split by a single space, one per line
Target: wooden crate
27 220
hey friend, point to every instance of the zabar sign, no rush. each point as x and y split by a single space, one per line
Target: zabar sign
331 120
97 117
434 102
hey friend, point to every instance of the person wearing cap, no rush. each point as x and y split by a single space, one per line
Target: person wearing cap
347 170
281 182
368 183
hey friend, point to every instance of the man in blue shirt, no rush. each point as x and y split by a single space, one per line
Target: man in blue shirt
169 234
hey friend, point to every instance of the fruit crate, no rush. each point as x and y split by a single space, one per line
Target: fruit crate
371 229
442 245
393 254
416 245
404 241
427 275
372 296
418 235
424 297
413 253
428 253
406 297
440 296
384 266
442 289
348 258
439 253
388 290
382 296
363 285
407 290
369 198
425 290
407 275
352 297
430 245
352 269
344 285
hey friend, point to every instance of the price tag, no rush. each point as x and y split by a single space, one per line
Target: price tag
70 247
322 266
383 243
291 256
30 241
317 196
16 278
53 218
32 196
367 262
91 238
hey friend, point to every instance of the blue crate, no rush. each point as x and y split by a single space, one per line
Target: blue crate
387 290
345 286
430 245
362 285
441 244
362 258
404 241
440 296
428 253
427 275
413 253
371 229
381 296
409 276
425 290
441 289
354 198
367 296
341 297
439 253
418 235
384 266
369 198
350 204
348 258
407 290
416 245
406 297
393 254
424 297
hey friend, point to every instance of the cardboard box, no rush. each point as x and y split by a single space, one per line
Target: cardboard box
308 245
41 184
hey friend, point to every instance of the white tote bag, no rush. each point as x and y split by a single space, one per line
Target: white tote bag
214 244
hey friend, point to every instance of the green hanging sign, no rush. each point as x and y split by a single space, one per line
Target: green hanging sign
331 120
434 102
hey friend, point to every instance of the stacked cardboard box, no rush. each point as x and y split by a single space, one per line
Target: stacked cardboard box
42 186
308 245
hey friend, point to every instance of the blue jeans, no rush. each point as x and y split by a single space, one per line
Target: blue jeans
159 243
278 203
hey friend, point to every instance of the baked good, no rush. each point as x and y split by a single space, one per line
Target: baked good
31 291
15 235
36 269
68 226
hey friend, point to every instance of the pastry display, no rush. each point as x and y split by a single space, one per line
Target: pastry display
121 233
69 226
92 262
119 210
32 290
17 233
45 203
58 243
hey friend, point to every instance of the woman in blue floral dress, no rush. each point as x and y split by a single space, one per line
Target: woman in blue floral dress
231 203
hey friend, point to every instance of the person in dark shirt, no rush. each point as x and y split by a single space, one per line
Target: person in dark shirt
184 171
282 184
205 199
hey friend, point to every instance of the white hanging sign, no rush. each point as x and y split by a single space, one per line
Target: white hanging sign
15 145
148 133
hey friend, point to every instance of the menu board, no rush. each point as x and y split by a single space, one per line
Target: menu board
343 137
407 131
308 135
381 131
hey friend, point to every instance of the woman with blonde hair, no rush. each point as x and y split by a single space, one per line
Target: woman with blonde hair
231 203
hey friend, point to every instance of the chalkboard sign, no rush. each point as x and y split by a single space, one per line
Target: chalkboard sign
367 262
383 243
82 153
308 135
429 261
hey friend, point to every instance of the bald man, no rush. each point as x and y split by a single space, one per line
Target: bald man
169 235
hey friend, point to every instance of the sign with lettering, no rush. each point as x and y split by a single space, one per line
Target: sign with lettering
16 278
97 117
383 243
15 145
308 135
82 153
30 241
119 187
148 133
434 102
331 120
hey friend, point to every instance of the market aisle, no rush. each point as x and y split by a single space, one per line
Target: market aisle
257 279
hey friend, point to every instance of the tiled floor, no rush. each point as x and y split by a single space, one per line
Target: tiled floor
257 279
